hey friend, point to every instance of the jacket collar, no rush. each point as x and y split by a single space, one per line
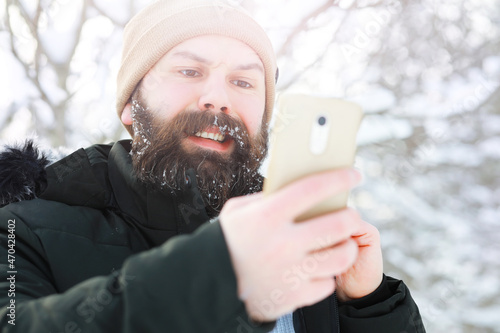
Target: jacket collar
102 177
181 211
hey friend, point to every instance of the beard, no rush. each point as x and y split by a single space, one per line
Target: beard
160 160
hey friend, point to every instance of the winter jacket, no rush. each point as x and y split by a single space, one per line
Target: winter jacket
96 251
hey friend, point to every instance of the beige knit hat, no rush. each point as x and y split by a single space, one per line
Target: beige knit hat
166 23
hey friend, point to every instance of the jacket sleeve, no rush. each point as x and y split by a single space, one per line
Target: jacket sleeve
185 285
389 309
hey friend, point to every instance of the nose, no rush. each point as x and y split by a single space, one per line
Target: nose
215 97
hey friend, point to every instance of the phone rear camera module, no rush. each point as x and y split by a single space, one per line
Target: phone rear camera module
321 121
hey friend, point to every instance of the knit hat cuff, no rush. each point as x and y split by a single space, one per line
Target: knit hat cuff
156 30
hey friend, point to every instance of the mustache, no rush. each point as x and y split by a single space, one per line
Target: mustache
191 122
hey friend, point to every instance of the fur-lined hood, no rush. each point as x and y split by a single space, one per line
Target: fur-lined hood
22 172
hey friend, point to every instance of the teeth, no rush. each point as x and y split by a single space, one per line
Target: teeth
212 136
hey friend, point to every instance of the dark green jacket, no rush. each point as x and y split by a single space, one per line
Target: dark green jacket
98 252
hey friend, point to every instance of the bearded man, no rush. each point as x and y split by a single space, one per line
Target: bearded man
169 232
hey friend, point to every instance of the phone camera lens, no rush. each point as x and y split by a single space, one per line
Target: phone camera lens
321 121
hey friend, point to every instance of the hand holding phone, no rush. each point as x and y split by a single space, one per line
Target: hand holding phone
311 135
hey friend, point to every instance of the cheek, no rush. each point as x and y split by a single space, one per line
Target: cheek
169 99
179 95
252 113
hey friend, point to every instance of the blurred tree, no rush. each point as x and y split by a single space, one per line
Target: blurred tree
56 43
426 73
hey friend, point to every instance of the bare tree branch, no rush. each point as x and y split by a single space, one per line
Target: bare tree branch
318 60
33 78
103 13
302 26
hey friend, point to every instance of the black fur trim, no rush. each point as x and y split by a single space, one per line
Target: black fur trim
22 173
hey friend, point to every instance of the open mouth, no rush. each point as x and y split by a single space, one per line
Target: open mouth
212 138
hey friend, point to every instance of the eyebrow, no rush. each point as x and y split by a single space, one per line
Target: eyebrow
195 57
192 56
251 67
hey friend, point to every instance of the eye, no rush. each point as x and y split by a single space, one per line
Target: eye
241 84
190 73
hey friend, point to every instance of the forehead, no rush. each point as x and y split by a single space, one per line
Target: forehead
215 48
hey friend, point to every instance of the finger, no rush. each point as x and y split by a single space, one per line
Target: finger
304 193
332 261
366 235
315 291
327 230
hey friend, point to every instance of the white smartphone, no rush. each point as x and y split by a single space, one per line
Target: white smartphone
310 135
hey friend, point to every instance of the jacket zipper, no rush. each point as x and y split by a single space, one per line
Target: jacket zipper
336 310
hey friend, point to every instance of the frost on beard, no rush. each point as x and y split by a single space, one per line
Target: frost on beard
140 133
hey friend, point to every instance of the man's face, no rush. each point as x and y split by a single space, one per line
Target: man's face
202 107
208 73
